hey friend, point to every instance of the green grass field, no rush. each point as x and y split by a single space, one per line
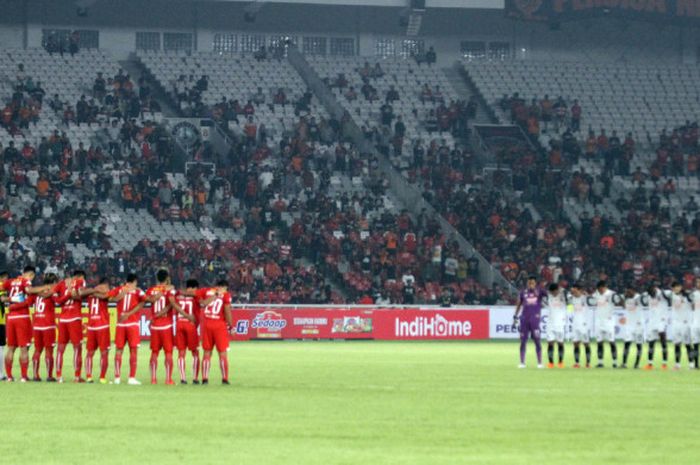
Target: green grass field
362 403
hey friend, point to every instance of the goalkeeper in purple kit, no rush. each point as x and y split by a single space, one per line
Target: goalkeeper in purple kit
530 300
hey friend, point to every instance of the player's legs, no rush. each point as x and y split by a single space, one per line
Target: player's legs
36 357
3 343
638 358
550 352
20 337
156 345
524 330
181 344
134 339
63 338
600 349
577 354
587 349
560 348
103 343
664 349
90 347
626 353
119 343
222 345
75 330
168 349
613 349
653 337
208 346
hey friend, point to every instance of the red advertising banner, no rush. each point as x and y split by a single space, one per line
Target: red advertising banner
359 323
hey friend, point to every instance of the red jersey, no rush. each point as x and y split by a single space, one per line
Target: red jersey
128 303
214 312
71 308
16 291
99 313
162 303
190 305
44 312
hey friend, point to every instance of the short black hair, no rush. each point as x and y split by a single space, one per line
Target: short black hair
576 285
162 275
50 278
601 283
103 280
190 283
222 283
78 274
553 287
131 277
675 283
532 277
4 273
29 269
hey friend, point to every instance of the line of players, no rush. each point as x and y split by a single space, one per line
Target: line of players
176 317
675 308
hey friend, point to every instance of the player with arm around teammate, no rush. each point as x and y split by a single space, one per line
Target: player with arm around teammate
695 322
556 309
634 326
44 332
680 323
98 336
530 301
216 322
186 337
580 326
130 300
658 302
605 300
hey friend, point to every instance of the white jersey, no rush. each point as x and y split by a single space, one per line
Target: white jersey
581 310
604 309
695 303
556 306
680 308
658 306
633 310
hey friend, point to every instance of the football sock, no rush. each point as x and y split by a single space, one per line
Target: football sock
613 350
601 352
24 364
639 356
133 361
104 361
577 352
154 366
195 364
8 366
626 352
78 359
561 352
677 352
181 364
49 362
168 366
523 349
550 352
689 352
223 364
118 365
206 364
538 349
88 364
36 361
59 360
588 353
650 355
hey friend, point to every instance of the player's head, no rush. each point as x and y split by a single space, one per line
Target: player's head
131 278
29 272
103 283
652 290
602 285
4 275
191 284
553 288
78 274
222 285
676 287
629 290
576 289
50 278
531 282
162 276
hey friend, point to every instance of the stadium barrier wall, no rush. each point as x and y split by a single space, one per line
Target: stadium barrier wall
277 322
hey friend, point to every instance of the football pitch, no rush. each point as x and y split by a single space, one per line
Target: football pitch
362 403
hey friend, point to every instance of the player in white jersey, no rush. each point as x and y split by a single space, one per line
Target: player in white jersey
658 304
634 325
680 323
695 324
556 312
580 325
604 300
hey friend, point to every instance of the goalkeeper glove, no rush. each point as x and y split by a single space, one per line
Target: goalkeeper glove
516 320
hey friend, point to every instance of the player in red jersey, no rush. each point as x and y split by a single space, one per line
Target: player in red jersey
162 299
19 324
215 322
186 336
130 301
70 322
45 327
98 330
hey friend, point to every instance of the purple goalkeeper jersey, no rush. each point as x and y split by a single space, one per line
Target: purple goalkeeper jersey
532 302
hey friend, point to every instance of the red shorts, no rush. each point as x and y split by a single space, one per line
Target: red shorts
44 338
130 334
71 331
162 339
186 336
214 334
98 338
19 332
